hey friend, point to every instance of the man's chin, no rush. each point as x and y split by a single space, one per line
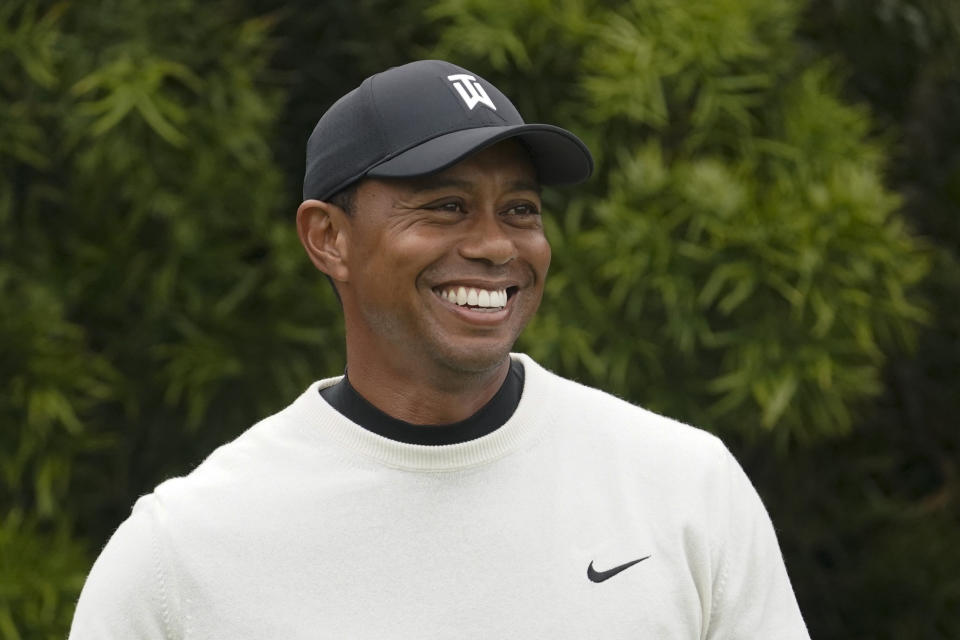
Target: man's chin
475 361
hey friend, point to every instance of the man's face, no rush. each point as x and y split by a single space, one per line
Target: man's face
446 270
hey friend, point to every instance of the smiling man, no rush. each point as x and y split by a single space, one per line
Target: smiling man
444 487
437 276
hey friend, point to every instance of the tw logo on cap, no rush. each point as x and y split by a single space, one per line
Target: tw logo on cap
471 91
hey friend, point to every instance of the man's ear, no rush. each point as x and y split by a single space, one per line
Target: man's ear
323 233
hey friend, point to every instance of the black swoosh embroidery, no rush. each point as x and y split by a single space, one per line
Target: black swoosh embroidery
600 576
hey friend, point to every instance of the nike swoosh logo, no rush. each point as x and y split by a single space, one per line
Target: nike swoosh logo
600 576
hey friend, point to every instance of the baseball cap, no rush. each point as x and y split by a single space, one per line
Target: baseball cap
422 117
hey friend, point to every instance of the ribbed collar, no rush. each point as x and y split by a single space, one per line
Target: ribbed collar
493 415
311 413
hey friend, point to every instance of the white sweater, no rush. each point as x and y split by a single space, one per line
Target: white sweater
309 526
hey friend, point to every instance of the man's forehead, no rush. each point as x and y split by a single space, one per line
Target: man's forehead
433 183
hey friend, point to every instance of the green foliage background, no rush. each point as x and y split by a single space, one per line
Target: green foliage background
770 249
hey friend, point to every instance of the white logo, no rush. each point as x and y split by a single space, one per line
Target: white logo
471 91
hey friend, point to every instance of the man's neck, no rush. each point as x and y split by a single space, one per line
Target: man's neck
422 399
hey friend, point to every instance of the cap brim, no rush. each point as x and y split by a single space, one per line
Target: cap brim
559 156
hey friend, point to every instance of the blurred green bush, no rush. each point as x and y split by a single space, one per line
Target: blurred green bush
155 300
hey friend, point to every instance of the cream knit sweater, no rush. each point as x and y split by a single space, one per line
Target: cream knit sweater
309 526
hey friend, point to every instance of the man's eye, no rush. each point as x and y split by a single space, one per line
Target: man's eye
452 207
523 210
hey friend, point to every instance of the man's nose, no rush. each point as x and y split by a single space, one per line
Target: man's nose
488 239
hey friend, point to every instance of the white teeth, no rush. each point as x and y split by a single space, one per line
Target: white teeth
483 298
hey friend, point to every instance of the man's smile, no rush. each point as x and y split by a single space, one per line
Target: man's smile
484 298
469 301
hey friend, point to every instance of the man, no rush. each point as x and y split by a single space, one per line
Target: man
444 487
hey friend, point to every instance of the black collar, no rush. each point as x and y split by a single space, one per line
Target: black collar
345 399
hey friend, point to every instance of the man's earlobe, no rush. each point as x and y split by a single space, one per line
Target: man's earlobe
322 230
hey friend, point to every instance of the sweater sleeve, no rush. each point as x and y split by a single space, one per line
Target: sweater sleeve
125 595
752 596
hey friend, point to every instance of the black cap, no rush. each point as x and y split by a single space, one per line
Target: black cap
421 118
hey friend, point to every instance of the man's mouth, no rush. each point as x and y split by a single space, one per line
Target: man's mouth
476 298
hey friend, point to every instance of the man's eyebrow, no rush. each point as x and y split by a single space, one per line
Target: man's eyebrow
525 185
432 184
